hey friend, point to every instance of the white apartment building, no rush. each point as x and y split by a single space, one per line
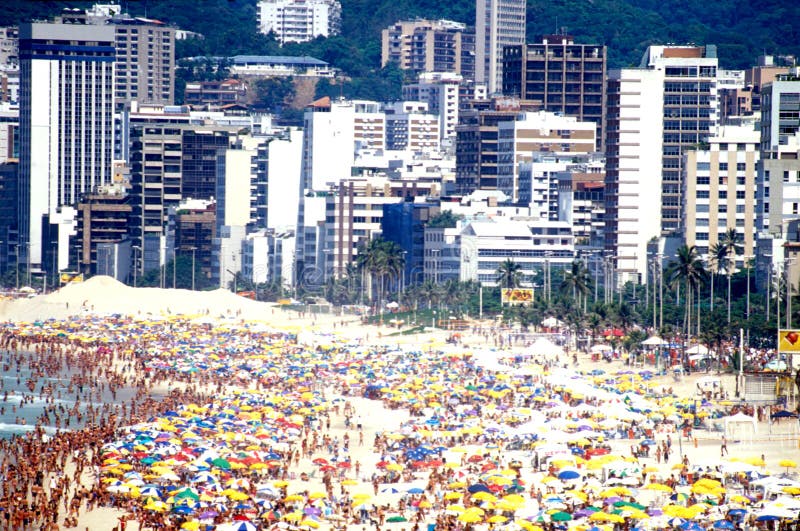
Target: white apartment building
533 245
633 167
440 91
299 20
9 46
66 121
333 133
536 132
538 184
255 257
779 170
690 114
498 23
720 189
581 202
409 126
284 162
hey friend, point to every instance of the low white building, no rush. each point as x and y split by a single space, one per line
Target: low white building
532 244
279 66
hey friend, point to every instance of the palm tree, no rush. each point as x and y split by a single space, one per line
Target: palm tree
509 274
577 280
380 258
687 269
718 261
732 242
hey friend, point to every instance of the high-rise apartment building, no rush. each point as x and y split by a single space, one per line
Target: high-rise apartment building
299 20
430 46
440 92
66 121
145 53
633 168
689 94
561 76
538 132
409 126
655 112
720 190
477 142
145 61
779 170
498 23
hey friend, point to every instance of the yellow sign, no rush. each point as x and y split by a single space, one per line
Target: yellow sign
516 295
788 340
67 277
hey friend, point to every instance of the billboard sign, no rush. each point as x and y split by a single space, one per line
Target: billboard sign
516 295
68 278
789 341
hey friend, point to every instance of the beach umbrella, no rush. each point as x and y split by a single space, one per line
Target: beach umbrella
478 487
244 525
658 486
568 474
191 525
724 524
561 516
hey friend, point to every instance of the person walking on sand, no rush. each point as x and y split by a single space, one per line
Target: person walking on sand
723 449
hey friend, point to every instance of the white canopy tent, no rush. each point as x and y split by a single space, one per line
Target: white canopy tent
545 347
654 341
740 424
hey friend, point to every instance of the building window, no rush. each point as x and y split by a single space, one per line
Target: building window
723 166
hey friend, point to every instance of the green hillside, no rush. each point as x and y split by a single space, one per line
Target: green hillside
741 29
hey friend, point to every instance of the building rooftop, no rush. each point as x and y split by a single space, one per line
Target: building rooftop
304 60
502 229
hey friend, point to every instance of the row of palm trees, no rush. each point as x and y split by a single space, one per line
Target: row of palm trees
687 269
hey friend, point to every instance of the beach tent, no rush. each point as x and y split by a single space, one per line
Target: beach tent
552 322
601 348
697 349
545 347
739 424
654 341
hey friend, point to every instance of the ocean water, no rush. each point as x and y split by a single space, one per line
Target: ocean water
17 418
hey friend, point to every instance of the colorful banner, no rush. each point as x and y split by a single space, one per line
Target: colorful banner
516 295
